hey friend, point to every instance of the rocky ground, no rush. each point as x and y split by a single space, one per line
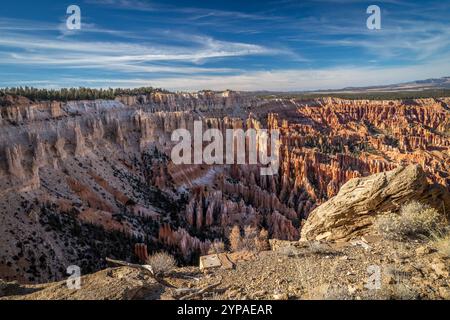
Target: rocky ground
321 271
292 270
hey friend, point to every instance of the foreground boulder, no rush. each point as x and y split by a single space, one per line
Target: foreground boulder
360 200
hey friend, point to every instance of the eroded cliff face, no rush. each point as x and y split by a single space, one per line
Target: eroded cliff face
87 179
329 141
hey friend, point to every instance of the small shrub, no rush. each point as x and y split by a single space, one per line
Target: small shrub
162 263
235 239
414 221
262 242
388 225
250 238
251 241
217 247
419 219
320 248
441 241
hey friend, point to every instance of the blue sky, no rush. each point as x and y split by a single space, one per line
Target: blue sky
242 45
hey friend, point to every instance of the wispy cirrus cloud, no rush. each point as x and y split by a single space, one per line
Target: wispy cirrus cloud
200 48
195 13
125 4
408 40
414 46
184 51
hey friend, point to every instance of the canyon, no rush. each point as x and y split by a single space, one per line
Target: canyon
85 180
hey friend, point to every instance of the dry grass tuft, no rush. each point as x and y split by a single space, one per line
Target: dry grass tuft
162 263
441 242
416 220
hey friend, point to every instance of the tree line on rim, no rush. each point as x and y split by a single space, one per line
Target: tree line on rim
67 94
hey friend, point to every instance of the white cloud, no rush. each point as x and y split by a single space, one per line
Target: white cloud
297 80
280 80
